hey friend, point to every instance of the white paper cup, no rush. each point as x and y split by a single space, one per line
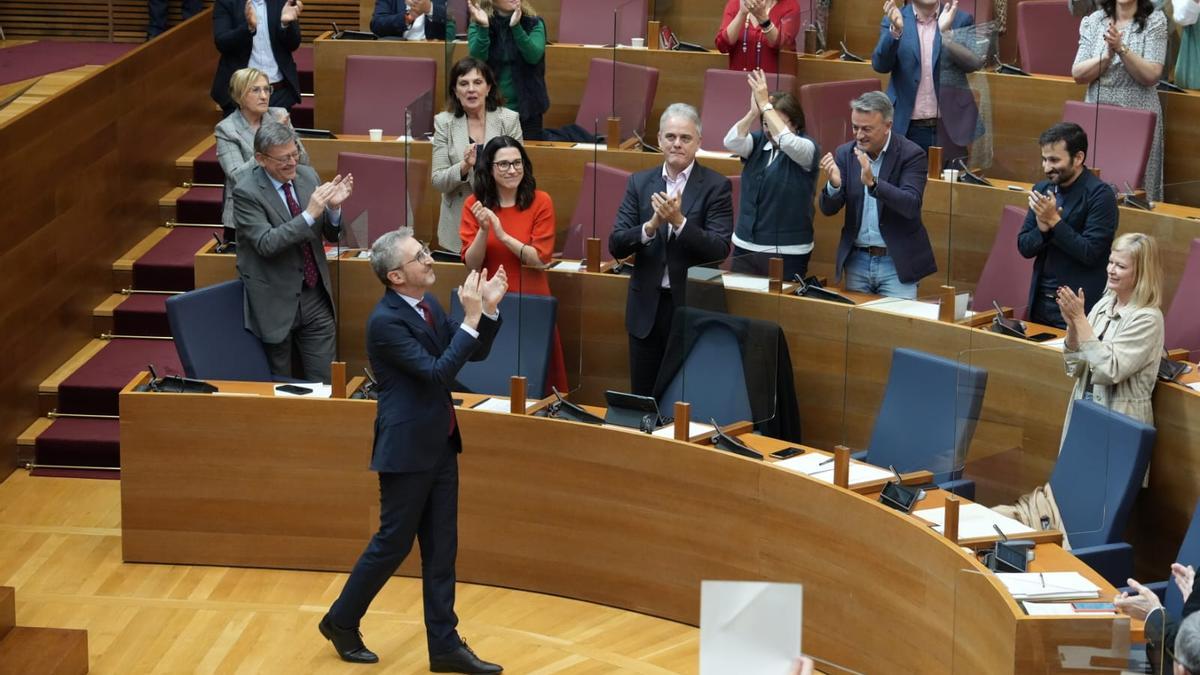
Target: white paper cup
376 134
946 175
637 43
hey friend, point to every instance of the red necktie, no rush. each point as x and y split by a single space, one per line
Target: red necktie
424 307
310 260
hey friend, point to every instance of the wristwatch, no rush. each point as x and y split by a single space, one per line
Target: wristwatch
765 25
768 107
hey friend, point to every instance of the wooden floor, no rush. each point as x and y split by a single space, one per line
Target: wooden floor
60 547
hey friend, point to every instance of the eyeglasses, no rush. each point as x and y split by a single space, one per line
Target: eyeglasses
505 165
290 158
423 256
262 90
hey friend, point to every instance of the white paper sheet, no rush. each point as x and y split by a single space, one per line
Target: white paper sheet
913 308
821 467
318 390
713 154
1195 386
975 521
746 282
499 405
1048 608
749 627
568 266
694 430
1048 585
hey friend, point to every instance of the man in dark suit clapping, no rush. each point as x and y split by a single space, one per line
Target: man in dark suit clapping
262 34
416 352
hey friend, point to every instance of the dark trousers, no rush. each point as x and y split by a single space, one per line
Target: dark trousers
313 337
1045 310
646 354
158 14
753 262
422 505
922 136
531 128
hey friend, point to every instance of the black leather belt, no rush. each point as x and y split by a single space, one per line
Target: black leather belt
873 251
927 122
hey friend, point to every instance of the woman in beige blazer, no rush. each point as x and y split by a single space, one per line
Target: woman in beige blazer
475 114
1113 353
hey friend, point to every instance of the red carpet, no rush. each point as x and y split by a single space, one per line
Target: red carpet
200 205
206 168
79 442
93 388
169 266
42 58
142 314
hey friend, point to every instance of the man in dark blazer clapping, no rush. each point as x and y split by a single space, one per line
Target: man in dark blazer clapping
259 33
879 178
673 217
410 19
416 352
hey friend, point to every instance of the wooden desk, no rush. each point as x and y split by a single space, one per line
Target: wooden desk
635 524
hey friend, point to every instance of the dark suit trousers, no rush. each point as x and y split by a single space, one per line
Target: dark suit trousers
313 337
425 505
646 354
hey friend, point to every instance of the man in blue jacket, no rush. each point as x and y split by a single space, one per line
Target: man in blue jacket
879 177
415 352
410 19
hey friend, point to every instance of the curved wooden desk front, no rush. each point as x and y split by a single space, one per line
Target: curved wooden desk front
602 515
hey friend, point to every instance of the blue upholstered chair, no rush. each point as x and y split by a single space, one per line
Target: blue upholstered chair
711 379
1099 470
210 335
927 418
522 346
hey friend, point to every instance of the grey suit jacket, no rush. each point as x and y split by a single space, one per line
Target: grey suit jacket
235 152
450 143
269 258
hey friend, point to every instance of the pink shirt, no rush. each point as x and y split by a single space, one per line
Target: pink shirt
926 105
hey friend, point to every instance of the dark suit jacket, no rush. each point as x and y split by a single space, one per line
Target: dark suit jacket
899 189
708 206
1076 250
415 367
269 258
234 42
902 59
388 20
1161 630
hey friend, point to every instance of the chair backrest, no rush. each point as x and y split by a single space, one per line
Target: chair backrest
826 108
928 414
1182 320
1046 36
209 328
726 97
1119 140
624 89
386 191
1189 554
714 392
1099 470
522 346
591 215
379 89
1006 274
591 22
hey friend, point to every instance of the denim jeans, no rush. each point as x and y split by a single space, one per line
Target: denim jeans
875 274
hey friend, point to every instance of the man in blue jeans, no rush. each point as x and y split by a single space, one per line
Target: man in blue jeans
879 178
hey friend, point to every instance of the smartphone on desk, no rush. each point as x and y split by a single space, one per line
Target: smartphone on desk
293 389
1093 607
787 452
1042 337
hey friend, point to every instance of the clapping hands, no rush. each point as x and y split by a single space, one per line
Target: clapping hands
479 16
892 11
291 12
330 195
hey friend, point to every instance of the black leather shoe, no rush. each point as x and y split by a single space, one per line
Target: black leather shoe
461 660
347 641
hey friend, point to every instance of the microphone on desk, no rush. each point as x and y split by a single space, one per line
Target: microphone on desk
153 377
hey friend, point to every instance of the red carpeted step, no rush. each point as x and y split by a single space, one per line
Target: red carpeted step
206 168
80 442
93 388
304 66
43 57
142 314
170 265
200 205
304 114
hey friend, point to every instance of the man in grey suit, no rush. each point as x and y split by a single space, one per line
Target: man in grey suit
280 257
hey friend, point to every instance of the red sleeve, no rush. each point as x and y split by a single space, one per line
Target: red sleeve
468 227
788 21
723 44
544 224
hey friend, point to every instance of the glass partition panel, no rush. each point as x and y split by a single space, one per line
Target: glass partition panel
725 352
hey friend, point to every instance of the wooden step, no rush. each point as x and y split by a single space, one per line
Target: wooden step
8 609
26 446
166 203
183 165
102 314
123 267
48 389
44 651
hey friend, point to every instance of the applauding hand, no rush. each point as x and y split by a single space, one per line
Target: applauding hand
830 167
493 290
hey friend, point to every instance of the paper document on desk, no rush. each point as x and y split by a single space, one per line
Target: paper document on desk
499 405
318 390
1048 608
975 521
1195 386
913 308
712 154
749 627
1048 586
1057 342
694 429
568 266
746 282
821 467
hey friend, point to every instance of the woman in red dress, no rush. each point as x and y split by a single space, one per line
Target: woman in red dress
508 221
753 32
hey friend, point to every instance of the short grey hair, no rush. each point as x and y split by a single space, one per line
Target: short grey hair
271 134
683 110
1187 644
874 102
385 252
